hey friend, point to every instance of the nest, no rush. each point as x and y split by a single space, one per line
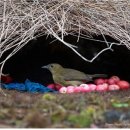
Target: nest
24 20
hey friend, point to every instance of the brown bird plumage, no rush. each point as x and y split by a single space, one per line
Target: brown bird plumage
67 76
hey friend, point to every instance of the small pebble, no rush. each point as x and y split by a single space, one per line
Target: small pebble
112 116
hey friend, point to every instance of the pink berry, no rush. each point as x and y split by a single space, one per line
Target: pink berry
70 89
83 85
63 90
77 89
85 88
102 87
51 86
99 81
92 87
113 87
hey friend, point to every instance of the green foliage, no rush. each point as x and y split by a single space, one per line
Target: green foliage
49 97
59 114
119 105
83 119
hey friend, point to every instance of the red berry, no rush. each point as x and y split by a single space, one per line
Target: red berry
115 78
123 84
6 79
99 81
111 81
105 80
51 86
58 86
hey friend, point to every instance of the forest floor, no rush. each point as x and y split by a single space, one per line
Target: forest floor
84 110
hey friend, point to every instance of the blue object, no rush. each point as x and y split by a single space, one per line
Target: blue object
28 86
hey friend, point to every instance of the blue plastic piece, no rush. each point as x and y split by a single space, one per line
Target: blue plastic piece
28 86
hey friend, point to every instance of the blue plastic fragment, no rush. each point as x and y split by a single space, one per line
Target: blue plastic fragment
28 86
16 86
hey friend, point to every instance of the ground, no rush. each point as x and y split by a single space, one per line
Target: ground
103 110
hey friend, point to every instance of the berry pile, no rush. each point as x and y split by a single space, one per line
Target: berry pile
112 84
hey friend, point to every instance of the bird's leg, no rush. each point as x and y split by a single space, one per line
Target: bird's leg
2 91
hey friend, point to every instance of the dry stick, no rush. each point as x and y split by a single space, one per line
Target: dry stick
108 48
19 44
4 20
0 41
59 27
4 64
11 34
61 39
15 29
15 50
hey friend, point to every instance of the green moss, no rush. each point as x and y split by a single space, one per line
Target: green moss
49 97
83 119
59 114
4 113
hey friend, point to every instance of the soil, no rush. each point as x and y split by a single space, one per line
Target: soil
84 110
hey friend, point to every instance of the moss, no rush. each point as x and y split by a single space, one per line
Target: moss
4 113
49 97
59 115
83 119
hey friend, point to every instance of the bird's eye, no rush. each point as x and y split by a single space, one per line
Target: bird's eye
51 66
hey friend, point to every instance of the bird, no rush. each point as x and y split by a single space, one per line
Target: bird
68 76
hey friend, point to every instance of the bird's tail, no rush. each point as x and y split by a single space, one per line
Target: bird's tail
99 75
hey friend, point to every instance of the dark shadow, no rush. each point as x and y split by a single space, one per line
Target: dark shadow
28 61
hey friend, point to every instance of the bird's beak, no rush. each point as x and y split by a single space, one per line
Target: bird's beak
45 67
